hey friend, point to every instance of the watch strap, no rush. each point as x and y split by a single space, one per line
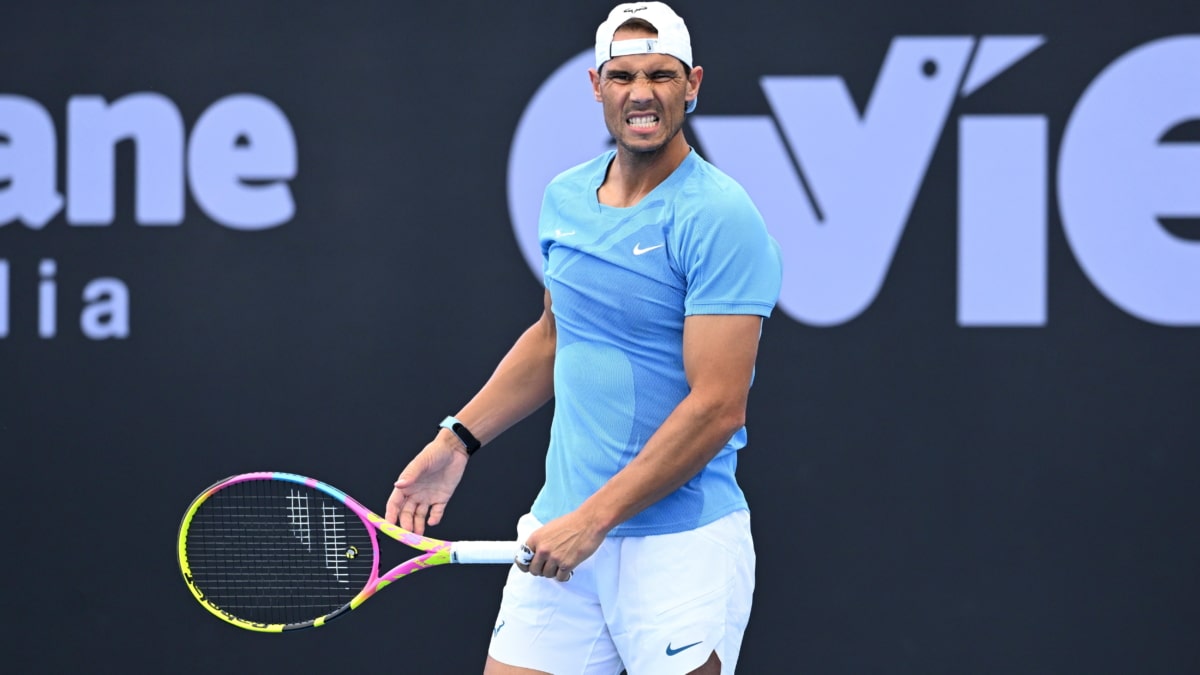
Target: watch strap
464 435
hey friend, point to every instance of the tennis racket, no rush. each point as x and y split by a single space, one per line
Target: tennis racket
274 552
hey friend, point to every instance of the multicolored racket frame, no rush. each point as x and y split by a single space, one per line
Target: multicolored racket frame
274 552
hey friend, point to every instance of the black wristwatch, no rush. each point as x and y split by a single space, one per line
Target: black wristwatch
460 430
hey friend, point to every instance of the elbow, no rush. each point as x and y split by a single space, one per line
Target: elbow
721 412
735 422
727 419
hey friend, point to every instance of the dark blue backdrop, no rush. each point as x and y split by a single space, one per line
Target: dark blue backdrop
929 496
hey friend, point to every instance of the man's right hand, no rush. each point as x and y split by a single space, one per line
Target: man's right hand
420 494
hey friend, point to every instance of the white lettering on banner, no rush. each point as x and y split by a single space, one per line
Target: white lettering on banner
105 314
47 300
1002 223
241 153
1114 169
240 156
3 299
28 149
94 128
864 171
837 186
239 159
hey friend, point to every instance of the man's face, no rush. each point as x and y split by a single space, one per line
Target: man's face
644 96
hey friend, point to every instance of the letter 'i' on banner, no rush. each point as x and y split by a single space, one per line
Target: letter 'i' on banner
47 299
1002 221
3 299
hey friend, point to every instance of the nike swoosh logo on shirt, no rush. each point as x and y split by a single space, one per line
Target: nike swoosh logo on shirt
638 250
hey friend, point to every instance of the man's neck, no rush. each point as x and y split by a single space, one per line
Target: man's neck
633 175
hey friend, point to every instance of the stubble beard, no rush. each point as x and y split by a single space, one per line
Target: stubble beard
639 151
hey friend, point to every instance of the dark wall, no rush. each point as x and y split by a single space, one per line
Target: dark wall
974 440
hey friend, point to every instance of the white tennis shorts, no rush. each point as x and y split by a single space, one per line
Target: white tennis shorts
656 605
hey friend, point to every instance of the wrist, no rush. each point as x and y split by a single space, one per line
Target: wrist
461 435
598 520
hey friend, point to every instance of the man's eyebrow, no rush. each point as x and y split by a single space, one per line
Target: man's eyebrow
665 70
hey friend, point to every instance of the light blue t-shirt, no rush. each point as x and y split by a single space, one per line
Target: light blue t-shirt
622 280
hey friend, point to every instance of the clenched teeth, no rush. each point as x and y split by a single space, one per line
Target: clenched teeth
643 121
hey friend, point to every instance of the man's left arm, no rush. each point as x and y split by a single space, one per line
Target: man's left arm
718 356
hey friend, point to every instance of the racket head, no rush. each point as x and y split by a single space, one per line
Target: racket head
274 552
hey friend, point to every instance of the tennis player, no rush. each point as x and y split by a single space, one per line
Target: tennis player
658 273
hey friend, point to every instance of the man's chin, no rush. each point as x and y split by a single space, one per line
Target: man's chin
643 144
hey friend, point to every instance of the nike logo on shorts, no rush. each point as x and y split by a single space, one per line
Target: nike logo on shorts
673 652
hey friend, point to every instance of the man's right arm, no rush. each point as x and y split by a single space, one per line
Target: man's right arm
521 383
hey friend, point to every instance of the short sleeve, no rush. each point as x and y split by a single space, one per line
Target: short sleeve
730 262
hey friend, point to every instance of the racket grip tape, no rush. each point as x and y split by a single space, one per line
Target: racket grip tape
483 552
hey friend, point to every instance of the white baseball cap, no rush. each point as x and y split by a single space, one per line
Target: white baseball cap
673 37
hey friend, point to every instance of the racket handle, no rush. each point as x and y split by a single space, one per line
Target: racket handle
483 552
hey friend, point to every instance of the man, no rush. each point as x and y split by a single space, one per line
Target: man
658 273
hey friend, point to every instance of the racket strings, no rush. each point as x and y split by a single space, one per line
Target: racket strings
276 552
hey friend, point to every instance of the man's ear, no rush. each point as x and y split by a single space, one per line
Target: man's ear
594 75
694 79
